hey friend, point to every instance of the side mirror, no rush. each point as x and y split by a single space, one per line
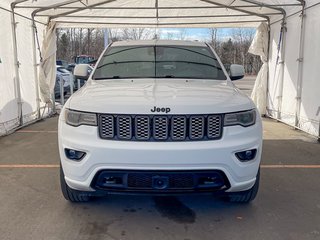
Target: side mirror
236 72
81 71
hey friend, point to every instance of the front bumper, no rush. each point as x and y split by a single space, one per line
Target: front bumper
216 155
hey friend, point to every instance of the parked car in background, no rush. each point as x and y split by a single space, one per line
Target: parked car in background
62 74
83 59
63 63
71 66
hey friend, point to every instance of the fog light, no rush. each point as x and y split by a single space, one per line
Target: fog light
113 180
247 155
74 154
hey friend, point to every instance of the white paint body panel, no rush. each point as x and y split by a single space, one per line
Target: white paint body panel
139 96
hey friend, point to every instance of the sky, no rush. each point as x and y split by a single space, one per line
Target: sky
201 34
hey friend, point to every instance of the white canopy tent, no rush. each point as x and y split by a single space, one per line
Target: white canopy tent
286 89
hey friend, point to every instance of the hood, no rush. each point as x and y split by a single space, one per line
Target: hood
152 96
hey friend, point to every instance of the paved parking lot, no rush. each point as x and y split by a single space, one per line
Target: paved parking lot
32 207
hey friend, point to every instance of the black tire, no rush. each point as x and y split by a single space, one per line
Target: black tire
245 196
71 194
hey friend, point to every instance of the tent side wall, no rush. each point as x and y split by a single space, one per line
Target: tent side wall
28 78
284 77
9 91
284 102
310 107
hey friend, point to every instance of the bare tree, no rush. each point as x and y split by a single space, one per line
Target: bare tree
170 35
182 34
72 42
136 33
213 36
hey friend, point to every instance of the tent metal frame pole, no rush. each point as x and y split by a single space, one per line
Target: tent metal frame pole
20 15
236 9
282 62
35 67
156 5
300 65
282 11
35 12
160 24
16 61
160 17
259 4
80 9
292 14
268 73
107 1
168 8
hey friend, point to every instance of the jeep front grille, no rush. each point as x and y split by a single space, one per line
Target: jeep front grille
160 127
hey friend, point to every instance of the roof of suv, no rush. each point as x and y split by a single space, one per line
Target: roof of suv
159 43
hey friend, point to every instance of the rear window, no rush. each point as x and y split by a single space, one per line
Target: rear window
159 62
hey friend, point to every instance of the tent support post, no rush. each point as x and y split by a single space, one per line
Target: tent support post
35 66
300 66
16 63
268 74
282 61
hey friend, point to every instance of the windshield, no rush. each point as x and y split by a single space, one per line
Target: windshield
159 62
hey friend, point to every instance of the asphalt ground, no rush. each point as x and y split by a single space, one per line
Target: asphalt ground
32 206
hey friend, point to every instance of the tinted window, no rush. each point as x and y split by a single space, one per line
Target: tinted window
80 60
159 62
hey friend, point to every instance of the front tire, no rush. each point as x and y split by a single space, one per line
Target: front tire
71 194
245 196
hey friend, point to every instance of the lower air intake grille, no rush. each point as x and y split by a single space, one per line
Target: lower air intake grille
160 181
144 180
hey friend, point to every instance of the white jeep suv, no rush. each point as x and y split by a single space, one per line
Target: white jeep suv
159 117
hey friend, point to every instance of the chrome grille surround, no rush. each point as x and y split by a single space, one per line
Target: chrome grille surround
178 128
196 127
213 126
142 127
124 127
160 127
106 126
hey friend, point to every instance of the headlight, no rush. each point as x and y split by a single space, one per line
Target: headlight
244 119
76 119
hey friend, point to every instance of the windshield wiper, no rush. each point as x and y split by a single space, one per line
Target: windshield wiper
189 62
123 50
123 62
189 50
169 76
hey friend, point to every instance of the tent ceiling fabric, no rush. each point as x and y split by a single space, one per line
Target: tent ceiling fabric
156 13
